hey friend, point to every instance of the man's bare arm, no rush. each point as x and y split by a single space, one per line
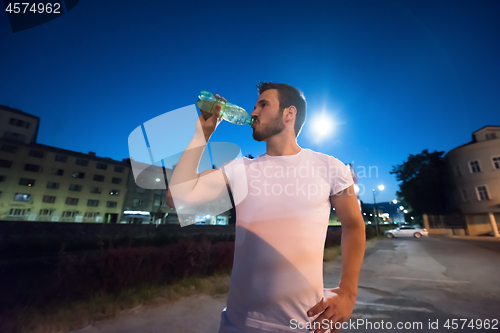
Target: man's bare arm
186 185
353 237
338 303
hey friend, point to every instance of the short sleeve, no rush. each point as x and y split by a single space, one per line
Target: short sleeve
235 172
340 176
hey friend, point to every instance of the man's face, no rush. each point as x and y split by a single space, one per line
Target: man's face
269 120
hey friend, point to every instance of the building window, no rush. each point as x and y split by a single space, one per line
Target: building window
61 158
23 197
459 172
111 204
56 172
17 212
14 136
71 201
95 190
90 215
82 162
31 167
2 179
101 166
474 167
49 198
27 182
99 178
491 136
118 169
114 192
68 214
465 197
36 153
496 162
19 123
79 175
74 187
138 202
482 193
9 148
53 185
93 203
116 180
5 164
45 212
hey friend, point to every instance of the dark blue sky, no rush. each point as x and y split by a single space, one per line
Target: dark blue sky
396 77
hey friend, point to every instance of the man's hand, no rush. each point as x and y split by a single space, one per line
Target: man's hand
336 306
209 122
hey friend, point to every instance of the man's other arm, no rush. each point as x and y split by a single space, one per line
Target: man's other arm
353 238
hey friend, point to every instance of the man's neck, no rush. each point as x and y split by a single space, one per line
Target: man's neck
278 146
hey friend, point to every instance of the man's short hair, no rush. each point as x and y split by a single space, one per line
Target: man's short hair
288 96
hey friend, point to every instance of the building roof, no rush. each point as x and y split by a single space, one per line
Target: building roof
484 127
474 137
90 155
8 108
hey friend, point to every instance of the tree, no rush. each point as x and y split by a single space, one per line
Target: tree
423 182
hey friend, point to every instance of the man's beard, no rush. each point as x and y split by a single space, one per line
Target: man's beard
275 127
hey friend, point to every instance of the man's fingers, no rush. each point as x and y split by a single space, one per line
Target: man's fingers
318 308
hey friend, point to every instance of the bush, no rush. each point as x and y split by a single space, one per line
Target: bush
115 270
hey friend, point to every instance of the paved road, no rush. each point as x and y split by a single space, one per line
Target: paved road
412 282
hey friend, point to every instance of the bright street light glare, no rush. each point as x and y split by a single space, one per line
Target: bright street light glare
381 187
405 211
322 126
401 207
394 201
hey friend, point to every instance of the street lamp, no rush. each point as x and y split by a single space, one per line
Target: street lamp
380 188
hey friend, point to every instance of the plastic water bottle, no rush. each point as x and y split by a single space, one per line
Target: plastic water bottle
229 112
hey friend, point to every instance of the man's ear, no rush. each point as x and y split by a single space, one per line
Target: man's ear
291 110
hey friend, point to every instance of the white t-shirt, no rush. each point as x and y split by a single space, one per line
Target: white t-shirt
282 211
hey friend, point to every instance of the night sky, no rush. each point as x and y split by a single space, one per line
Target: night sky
396 77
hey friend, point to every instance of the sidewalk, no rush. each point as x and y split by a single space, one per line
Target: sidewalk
198 313
481 238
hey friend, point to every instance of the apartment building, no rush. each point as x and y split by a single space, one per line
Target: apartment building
17 125
475 171
44 183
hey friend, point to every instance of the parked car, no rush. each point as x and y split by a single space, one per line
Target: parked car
406 231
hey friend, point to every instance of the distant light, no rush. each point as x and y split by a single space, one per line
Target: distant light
381 187
364 213
371 214
405 211
401 207
136 212
394 201
333 208
412 217
157 180
369 222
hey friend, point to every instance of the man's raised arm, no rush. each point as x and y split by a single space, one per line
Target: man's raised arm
187 185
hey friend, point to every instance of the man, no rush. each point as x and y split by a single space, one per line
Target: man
277 280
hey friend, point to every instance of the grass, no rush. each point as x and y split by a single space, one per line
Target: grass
78 314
